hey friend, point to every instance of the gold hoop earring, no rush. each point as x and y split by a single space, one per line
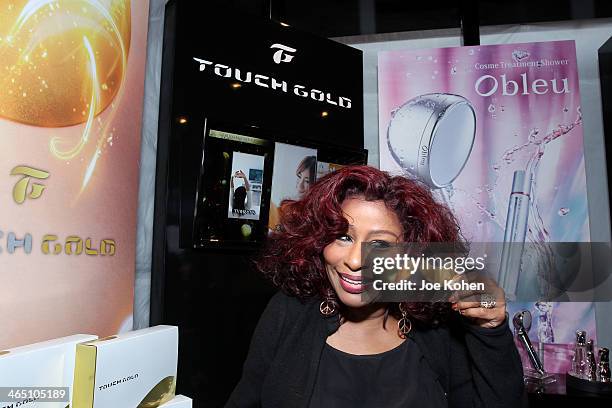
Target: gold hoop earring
404 325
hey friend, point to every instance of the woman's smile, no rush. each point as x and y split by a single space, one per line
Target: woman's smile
351 283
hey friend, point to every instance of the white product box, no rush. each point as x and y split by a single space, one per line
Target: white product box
46 364
135 369
180 401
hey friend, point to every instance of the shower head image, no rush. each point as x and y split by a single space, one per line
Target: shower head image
431 136
522 324
522 321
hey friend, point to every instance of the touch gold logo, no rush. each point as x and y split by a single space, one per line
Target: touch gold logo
118 381
72 245
20 191
282 54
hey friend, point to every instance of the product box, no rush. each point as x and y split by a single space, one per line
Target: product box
180 401
136 369
46 364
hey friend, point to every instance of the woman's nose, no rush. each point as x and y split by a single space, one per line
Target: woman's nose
300 186
353 258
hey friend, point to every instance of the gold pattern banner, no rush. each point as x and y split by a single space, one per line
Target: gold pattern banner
71 102
61 59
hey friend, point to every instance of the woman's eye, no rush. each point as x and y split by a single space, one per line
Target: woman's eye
344 238
380 244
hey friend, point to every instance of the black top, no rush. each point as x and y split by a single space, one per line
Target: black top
397 378
476 367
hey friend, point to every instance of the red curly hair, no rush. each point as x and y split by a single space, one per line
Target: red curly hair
293 257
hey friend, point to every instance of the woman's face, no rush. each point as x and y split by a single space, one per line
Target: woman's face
369 222
303 181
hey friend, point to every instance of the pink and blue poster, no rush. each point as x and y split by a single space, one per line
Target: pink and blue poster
496 131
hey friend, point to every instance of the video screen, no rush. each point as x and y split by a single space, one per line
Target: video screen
256 175
325 168
246 175
232 207
295 169
245 193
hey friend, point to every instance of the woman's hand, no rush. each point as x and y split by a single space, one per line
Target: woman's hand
471 305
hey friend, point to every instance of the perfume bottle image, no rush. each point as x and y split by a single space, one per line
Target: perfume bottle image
515 233
591 366
590 346
431 137
603 368
578 366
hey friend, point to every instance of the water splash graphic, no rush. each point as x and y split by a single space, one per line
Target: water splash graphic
563 211
537 231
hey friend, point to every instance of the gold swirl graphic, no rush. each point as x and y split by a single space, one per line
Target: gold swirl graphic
163 392
56 142
64 62
46 51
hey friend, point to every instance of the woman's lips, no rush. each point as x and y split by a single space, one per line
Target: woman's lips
351 283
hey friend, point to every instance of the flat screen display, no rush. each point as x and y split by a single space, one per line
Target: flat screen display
256 175
242 204
295 169
231 203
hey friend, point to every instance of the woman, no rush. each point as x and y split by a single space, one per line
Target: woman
241 195
319 345
305 174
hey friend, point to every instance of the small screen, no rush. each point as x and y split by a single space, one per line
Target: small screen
242 204
232 207
256 175
294 170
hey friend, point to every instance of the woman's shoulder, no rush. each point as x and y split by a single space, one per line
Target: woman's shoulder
285 313
286 304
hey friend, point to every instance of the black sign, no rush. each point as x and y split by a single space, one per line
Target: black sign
237 69
232 86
